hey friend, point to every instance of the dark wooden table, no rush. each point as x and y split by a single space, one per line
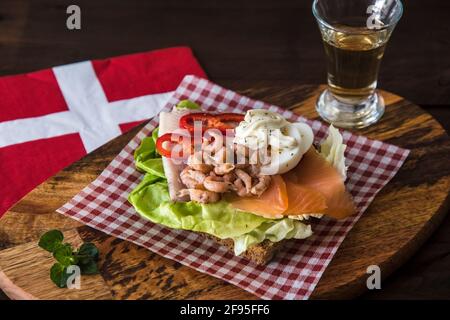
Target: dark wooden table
240 43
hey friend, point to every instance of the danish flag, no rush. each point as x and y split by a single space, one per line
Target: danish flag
53 117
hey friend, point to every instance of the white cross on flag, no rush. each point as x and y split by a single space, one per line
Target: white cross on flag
53 117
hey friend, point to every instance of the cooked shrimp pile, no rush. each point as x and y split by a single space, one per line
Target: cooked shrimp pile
207 177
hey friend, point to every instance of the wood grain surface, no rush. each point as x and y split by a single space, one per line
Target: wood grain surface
402 216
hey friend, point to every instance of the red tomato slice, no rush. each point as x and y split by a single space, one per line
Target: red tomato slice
221 122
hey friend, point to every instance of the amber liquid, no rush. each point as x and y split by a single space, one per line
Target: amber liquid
353 57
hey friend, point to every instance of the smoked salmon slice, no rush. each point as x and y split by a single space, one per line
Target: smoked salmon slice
271 204
304 199
315 186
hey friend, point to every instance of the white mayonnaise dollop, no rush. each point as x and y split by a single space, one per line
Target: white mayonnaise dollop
284 142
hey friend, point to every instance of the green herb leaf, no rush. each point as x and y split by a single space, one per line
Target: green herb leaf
155 134
64 255
51 240
187 104
88 266
88 251
59 275
85 258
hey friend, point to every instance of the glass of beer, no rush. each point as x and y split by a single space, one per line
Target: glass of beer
354 34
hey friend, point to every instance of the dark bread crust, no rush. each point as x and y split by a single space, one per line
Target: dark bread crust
260 253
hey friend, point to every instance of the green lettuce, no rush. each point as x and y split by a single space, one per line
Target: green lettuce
187 104
147 148
148 195
273 230
333 149
147 158
153 166
152 201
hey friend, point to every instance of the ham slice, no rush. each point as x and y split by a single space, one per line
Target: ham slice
168 122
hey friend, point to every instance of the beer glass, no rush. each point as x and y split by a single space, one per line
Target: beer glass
354 34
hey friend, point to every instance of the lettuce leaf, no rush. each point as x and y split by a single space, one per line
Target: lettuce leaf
152 201
273 230
149 193
333 149
153 166
187 104
155 135
146 150
147 159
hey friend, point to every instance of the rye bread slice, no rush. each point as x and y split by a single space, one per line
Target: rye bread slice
260 253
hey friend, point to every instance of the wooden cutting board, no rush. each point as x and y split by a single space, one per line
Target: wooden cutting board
402 216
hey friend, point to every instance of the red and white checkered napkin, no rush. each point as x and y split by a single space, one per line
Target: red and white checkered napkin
297 269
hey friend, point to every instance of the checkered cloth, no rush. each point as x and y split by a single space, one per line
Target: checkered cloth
296 270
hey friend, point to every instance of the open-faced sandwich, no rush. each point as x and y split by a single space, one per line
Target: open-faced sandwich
249 181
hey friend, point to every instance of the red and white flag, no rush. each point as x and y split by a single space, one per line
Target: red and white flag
53 117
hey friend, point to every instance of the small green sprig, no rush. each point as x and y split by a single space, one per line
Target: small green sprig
85 258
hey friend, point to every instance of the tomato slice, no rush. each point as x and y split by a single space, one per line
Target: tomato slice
221 122
160 145
167 142
173 140
231 120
